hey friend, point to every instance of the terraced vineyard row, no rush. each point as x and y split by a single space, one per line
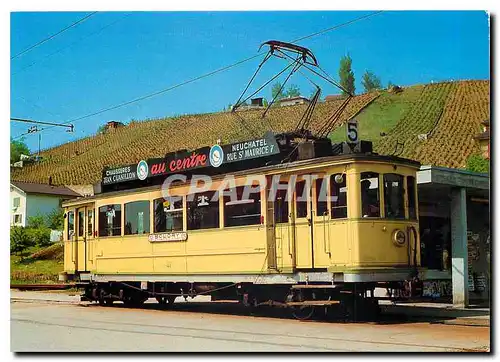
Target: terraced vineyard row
82 161
421 118
452 141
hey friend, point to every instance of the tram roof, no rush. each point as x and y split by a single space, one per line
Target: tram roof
269 169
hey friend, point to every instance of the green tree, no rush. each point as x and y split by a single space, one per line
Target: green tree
390 85
346 75
277 92
371 82
101 129
292 91
20 240
265 103
477 163
55 219
35 222
18 148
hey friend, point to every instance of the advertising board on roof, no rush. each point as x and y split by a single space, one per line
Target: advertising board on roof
178 162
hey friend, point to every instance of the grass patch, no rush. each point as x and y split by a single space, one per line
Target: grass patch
34 267
381 115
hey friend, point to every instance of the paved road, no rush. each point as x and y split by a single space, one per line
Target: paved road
57 322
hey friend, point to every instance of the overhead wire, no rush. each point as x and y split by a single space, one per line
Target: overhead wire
73 43
53 35
138 99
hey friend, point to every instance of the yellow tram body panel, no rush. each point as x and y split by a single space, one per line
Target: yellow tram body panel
309 237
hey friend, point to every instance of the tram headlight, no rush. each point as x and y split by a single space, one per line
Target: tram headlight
398 237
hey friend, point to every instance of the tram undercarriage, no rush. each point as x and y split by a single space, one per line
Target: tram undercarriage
349 301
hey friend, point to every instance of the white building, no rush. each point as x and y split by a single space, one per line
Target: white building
292 101
31 199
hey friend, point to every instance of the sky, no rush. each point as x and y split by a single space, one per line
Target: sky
114 57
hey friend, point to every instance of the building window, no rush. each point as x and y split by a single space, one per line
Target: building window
370 196
338 196
394 196
71 224
90 222
203 211
321 197
239 211
301 199
110 220
16 201
18 218
137 217
412 204
81 223
168 214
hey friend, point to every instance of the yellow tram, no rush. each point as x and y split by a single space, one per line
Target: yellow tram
284 244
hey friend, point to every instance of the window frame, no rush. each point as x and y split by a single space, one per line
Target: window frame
257 200
414 196
218 210
330 195
402 192
121 219
163 214
68 231
146 218
379 194
18 199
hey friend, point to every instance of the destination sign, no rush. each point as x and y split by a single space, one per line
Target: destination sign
241 151
169 236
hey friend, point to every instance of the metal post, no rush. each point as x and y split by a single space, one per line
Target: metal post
460 273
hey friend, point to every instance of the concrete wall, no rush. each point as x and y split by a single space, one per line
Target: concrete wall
21 210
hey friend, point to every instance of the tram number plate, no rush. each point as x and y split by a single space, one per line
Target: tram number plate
352 131
172 236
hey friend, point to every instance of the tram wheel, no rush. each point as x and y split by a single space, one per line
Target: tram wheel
303 313
108 302
166 300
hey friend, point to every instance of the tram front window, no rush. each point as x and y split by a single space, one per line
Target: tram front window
370 198
394 196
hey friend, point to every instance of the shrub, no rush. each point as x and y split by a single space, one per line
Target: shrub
477 163
20 239
36 222
39 236
55 219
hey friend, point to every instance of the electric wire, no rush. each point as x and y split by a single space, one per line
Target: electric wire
54 35
208 74
73 43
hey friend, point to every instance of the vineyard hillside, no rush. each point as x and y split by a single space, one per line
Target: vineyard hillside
433 123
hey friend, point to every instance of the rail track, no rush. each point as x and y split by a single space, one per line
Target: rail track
43 286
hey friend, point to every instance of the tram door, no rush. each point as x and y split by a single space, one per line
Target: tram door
303 224
281 249
84 237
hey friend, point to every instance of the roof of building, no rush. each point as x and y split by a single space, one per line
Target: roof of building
33 188
293 98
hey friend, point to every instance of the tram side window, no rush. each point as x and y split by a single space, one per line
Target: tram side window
412 209
203 211
370 197
338 196
168 214
71 224
301 199
281 206
137 217
394 196
110 220
239 211
90 220
81 221
321 196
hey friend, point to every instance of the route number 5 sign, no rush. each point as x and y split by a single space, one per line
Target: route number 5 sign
352 131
